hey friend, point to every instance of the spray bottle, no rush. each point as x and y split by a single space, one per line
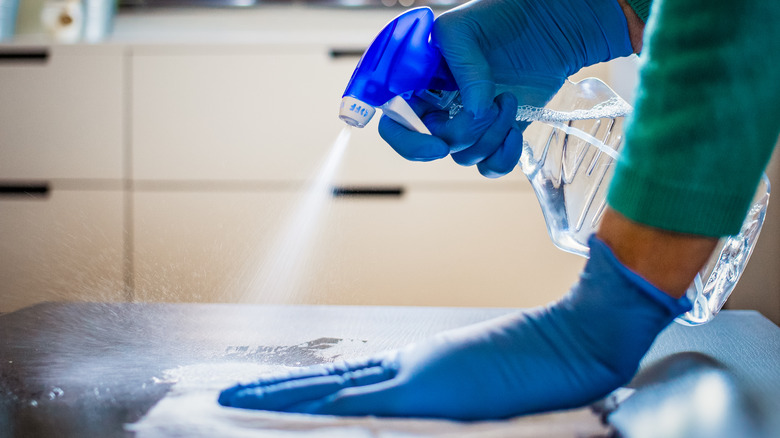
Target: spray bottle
399 63
568 157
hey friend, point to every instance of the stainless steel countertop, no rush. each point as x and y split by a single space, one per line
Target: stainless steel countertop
86 369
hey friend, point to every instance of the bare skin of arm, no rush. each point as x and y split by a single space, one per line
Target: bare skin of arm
666 259
636 28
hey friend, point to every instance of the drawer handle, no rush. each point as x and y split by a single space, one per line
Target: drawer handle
24 56
30 190
368 192
346 53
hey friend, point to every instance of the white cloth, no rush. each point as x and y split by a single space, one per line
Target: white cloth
190 409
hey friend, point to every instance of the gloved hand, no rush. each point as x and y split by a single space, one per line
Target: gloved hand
525 47
565 355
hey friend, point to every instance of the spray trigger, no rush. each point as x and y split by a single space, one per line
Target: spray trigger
399 110
399 62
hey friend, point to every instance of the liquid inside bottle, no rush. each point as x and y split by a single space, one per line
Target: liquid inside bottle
569 156
570 150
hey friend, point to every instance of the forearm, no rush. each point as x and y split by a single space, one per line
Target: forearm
636 27
668 260
699 138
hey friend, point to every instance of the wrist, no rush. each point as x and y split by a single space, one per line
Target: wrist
615 313
667 260
636 27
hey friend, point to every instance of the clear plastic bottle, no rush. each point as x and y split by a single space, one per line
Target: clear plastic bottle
569 155
571 145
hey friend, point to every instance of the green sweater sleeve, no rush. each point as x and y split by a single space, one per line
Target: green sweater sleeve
707 116
641 7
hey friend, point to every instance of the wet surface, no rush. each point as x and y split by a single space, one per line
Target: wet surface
87 369
304 354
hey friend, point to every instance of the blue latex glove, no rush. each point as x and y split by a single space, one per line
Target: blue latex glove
565 355
526 47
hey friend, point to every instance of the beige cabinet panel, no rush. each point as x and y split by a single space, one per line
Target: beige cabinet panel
443 248
64 247
232 116
203 246
62 117
264 114
428 247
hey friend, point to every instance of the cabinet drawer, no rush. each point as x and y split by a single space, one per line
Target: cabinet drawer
203 246
64 246
427 247
61 113
230 117
442 247
264 114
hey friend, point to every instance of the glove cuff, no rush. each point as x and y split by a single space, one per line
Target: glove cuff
613 28
616 312
600 251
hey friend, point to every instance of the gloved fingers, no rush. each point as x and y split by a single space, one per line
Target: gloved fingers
278 396
379 399
304 373
411 145
336 368
457 38
493 137
503 160
461 131
420 106
285 394
450 135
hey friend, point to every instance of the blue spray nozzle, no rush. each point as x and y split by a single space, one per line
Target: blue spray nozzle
400 61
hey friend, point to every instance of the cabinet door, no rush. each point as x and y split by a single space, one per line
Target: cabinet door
203 246
267 113
427 247
442 246
67 246
61 113
228 116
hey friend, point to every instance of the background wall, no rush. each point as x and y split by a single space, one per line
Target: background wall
29 19
759 287
190 173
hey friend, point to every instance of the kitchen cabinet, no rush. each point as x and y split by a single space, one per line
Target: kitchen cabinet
447 246
61 112
202 245
224 138
428 246
66 245
182 167
62 142
263 113
228 116
185 142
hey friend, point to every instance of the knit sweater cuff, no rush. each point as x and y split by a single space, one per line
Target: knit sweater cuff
705 119
641 7
670 205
